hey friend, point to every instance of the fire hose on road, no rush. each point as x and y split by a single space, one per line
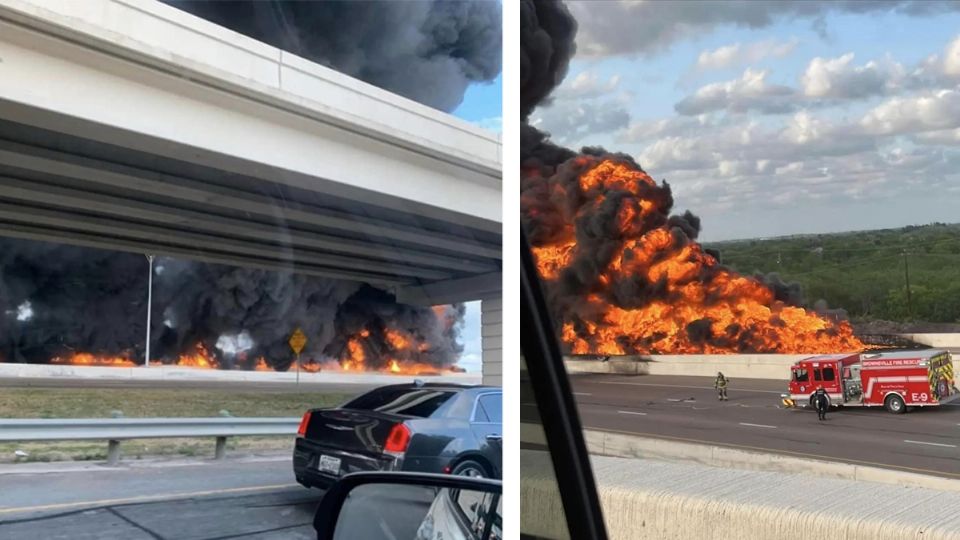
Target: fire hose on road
114 430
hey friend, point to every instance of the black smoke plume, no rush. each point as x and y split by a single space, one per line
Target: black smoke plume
375 311
428 51
547 30
556 210
56 300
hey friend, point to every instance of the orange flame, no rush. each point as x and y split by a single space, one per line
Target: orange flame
699 307
200 359
87 359
262 365
403 355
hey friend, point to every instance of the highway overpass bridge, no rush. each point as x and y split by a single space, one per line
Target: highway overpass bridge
133 126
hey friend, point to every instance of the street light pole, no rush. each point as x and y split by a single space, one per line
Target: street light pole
146 360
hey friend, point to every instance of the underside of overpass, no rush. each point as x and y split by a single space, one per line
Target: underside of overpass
63 188
119 142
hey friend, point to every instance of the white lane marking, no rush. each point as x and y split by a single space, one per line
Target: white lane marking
757 425
144 498
682 386
931 443
632 412
582 394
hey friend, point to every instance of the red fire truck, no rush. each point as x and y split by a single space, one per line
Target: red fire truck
895 380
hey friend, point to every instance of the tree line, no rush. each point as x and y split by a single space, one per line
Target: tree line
907 274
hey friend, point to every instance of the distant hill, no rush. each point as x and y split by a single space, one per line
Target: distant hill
863 272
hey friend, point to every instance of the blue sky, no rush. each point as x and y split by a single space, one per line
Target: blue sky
482 104
774 117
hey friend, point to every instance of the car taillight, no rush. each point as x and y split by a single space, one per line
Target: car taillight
398 439
302 430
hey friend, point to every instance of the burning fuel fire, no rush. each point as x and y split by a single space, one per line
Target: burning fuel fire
399 349
87 359
625 277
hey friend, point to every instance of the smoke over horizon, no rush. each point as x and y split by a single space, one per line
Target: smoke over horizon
58 300
427 51
622 272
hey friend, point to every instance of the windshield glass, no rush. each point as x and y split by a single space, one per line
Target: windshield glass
708 198
218 216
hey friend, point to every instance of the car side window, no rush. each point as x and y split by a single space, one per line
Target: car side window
801 375
479 413
816 374
492 405
828 374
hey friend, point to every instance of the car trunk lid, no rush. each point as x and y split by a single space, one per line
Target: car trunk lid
352 430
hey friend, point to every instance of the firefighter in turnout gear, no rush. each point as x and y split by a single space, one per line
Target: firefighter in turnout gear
721 385
821 402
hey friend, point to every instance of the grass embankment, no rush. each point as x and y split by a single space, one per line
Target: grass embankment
866 272
146 403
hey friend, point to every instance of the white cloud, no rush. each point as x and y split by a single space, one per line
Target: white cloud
937 70
494 124
737 54
629 27
951 60
570 122
825 82
928 111
837 78
587 85
676 153
750 92
944 137
583 106
643 130
720 58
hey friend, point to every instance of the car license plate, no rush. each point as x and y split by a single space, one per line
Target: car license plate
329 464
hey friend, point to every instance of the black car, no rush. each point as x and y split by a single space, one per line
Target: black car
435 428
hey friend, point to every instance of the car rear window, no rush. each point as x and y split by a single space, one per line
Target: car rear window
420 402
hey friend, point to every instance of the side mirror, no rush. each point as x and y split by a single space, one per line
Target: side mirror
410 506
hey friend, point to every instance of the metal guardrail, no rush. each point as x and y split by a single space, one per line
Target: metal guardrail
114 430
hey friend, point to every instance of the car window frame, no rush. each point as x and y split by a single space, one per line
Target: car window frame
552 392
476 404
833 374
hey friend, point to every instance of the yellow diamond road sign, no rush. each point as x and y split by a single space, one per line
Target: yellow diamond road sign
297 341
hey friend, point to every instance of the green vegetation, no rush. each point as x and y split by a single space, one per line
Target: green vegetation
864 272
145 402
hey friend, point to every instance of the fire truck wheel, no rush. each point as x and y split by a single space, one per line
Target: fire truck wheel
895 404
814 405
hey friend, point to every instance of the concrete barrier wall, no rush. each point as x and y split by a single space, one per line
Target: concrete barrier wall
632 446
174 373
648 499
751 366
940 341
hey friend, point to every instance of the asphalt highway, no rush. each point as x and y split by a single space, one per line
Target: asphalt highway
686 408
253 498
199 500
